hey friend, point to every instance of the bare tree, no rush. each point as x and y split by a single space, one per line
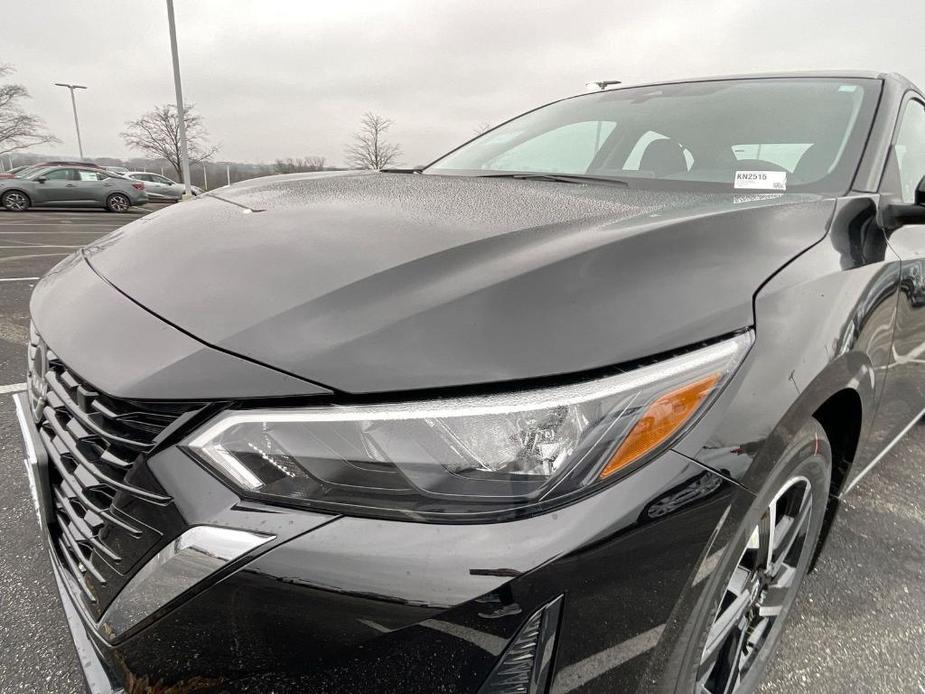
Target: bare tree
157 134
18 128
314 163
290 165
369 149
482 127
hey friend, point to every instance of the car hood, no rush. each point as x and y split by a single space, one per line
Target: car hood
388 282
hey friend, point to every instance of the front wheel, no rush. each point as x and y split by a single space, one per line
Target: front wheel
753 590
15 201
117 202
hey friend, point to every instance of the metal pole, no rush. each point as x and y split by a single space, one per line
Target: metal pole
80 145
181 109
227 172
72 87
205 177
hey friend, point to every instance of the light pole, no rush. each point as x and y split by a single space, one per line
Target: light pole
181 109
72 87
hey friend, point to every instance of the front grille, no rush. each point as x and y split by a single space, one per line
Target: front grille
109 511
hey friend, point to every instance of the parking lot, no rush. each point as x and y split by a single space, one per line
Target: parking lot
858 625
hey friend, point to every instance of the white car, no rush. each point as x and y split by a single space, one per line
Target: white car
160 187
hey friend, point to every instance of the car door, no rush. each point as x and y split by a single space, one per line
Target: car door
91 187
903 400
55 187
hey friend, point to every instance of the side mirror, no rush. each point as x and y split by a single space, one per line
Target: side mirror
41 179
896 215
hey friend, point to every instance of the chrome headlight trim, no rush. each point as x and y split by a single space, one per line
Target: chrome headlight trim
503 403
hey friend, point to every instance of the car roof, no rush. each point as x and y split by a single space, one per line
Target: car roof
84 164
894 77
82 167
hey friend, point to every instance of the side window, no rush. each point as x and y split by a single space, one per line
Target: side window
910 149
88 175
569 149
60 175
161 179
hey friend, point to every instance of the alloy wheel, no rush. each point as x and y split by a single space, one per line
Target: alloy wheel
15 201
118 203
761 586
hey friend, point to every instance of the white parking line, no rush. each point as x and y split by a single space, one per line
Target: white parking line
51 231
38 245
13 388
66 226
14 258
18 279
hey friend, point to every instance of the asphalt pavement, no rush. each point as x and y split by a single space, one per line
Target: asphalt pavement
859 625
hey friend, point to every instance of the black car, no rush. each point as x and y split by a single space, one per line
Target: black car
568 410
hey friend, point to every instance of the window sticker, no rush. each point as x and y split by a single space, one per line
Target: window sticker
760 180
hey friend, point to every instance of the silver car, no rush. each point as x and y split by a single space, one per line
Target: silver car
70 186
160 187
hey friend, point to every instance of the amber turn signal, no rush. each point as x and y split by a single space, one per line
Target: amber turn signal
662 419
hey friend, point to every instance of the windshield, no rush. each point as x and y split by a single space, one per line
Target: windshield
29 170
799 134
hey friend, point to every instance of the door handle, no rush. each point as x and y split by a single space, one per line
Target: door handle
69 185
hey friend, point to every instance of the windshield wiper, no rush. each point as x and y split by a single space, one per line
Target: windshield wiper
558 178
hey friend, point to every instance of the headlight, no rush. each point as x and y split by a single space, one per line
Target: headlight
463 458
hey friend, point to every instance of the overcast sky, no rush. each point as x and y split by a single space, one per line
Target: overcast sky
277 78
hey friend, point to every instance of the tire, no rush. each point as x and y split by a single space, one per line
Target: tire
15 201
117 202
738 624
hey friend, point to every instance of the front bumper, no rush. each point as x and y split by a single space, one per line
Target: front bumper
335 603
